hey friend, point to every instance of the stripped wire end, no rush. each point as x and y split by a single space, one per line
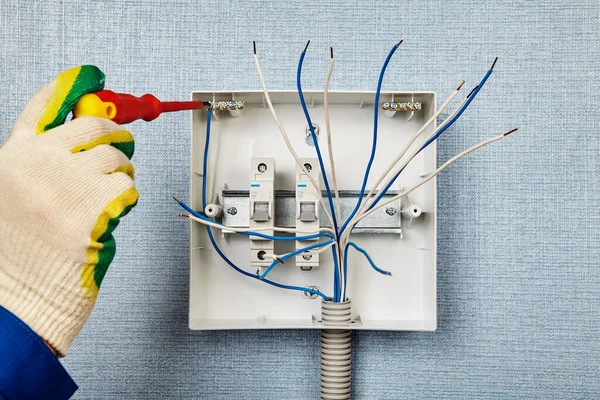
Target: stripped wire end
279 259
472 91
175 198
184 215
331 51
461 85
509 132
260 276
399 43
305 48
494 63
254 46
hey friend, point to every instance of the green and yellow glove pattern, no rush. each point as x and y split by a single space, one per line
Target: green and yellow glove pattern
63 189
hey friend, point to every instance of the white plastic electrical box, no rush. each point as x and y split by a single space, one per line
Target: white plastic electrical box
221 298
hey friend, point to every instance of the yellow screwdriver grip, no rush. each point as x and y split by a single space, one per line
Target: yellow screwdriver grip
92 105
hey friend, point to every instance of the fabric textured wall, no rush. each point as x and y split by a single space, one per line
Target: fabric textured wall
519 244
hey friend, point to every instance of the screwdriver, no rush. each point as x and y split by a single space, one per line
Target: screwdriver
124 108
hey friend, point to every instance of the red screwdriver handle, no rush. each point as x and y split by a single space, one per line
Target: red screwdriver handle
124 108
130 108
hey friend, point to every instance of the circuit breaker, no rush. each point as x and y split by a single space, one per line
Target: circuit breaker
262 210
307 210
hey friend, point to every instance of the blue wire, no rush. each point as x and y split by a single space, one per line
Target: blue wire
371 158
364 252
442 130
205 161
315 140
241 271
292 254
212 239
252 233
374 146
336 275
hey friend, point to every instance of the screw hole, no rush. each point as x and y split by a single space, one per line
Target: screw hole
308 167
261 255
309 138
262 168
308 295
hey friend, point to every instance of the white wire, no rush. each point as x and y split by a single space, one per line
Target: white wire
403 152
328 128
371 195
287 141
417 149
357 219
277 229
238 230
293 152
311 252
338 253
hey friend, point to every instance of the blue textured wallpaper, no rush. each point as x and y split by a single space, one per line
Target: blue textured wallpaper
519 243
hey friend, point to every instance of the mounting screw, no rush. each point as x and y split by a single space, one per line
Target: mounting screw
391 211
232 210
308 295
307 257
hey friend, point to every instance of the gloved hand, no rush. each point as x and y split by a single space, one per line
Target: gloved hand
63 189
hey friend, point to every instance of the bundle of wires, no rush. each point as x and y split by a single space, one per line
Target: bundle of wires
338 238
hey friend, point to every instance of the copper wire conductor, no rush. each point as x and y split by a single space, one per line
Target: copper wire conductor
494 63
474 89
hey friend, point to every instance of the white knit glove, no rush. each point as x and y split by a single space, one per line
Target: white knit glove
63 189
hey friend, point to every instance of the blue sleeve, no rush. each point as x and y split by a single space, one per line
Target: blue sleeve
28 369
